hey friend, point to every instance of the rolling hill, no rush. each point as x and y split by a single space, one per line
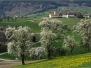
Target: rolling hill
25 7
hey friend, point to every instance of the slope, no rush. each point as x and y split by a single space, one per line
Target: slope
62 62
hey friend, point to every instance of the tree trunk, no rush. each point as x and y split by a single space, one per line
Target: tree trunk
72 50
49 55
48 52
23 59
88 48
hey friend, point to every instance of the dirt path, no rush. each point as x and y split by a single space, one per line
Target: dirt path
9 64
13 63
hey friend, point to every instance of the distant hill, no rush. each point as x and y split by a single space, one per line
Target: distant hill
24 7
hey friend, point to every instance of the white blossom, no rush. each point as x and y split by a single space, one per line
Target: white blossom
69 43
84 29
20 42
50 24
37 52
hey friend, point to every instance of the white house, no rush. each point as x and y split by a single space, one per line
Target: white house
69 15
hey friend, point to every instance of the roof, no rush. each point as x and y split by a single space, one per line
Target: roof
71 13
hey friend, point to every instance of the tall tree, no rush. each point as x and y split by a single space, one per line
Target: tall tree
20 42
54 25
47 37
84 29
48 33
50 24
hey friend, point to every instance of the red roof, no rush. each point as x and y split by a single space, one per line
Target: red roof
71 13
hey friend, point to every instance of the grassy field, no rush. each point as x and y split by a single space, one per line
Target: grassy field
7 56
33 22
70 21
76 61
60 62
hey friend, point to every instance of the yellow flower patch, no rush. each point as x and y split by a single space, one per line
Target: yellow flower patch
62 62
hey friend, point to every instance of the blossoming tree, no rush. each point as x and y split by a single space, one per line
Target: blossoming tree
47 36
20 42
69 43
48 28
84 29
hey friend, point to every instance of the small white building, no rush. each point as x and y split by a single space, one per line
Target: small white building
65 16
69 15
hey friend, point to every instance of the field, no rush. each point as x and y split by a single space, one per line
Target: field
68 61
33 22
76 61
7 56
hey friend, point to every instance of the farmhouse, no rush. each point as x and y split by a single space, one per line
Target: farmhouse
54 15
72 15
66 15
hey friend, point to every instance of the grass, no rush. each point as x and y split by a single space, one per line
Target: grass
75 61
70 21
32 23
86 65
7 56
61 62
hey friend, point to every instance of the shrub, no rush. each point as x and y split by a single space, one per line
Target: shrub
37 52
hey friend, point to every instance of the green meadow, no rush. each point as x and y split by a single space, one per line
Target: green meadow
76 61
33 22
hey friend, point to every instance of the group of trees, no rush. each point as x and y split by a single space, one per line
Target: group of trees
48 28
8 18
11 18
84 29
21 40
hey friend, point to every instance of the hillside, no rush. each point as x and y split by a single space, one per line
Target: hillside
22 7
9 8
77 61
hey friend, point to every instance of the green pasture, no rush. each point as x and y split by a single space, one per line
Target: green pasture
33 22
7 56
76 61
